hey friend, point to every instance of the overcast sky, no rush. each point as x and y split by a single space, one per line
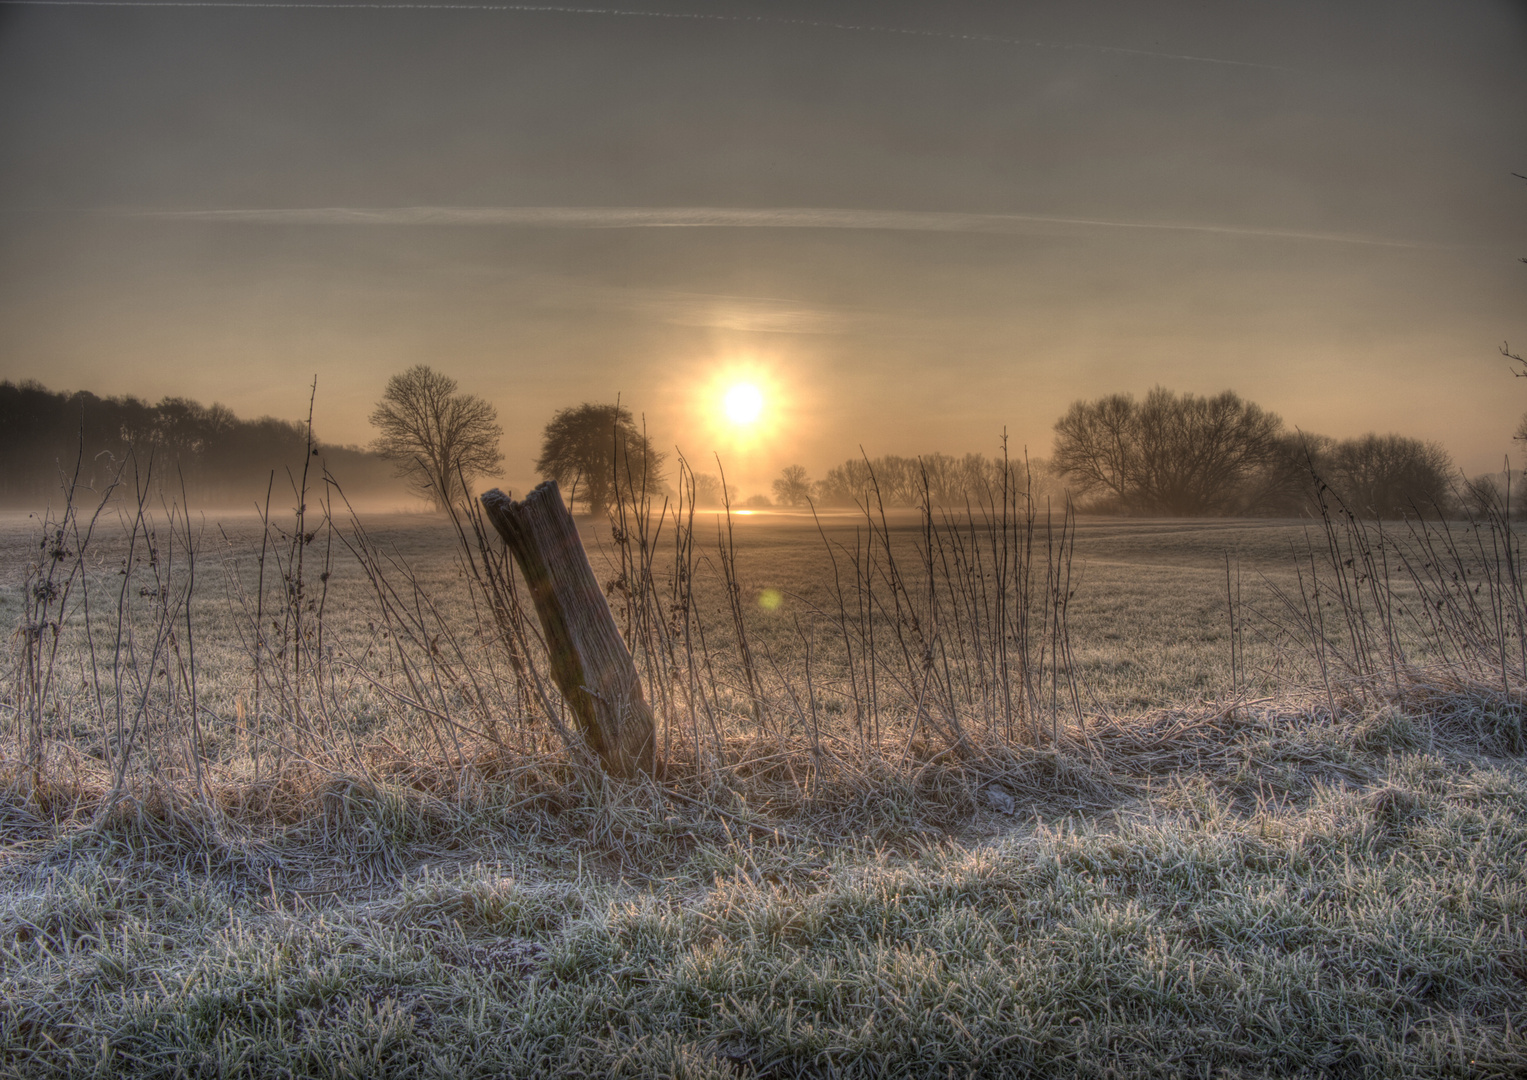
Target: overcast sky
916 223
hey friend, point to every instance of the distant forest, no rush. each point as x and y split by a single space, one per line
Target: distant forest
221 459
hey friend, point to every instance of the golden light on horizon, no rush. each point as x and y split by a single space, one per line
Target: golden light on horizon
743 404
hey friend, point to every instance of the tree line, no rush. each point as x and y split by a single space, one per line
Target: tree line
892 480
1178 455
219 459
1166 454
1186 455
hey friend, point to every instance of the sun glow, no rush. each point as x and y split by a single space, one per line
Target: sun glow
743 404
740 407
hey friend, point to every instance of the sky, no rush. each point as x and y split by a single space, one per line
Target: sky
913 226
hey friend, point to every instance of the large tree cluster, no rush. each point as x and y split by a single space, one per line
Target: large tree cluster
1186 455
1168 454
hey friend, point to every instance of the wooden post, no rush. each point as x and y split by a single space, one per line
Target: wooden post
589 660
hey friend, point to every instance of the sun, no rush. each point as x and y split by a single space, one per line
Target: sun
743 404
740 405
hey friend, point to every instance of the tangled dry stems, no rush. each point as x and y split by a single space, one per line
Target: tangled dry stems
1245 750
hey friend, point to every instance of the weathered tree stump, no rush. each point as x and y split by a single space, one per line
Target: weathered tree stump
589 660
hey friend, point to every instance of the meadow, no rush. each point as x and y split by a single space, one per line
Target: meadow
994 792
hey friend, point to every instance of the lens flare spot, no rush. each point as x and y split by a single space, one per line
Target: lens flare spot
769 599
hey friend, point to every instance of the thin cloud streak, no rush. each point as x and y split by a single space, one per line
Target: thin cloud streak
547 9
743 314
658 217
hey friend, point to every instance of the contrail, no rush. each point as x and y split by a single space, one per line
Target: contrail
656 217
623 13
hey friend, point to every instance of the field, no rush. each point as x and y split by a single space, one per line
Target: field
991 795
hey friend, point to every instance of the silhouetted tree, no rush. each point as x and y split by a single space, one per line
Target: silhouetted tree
1285 484
1168 454
1521 362
951 481
708 491
438 438
596 452
793 488
847 484
890 480
1486 495
1390 476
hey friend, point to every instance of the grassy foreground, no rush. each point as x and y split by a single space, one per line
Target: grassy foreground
1253 892
993 793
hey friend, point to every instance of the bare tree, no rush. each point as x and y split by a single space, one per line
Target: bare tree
439 439
1486 495
899 481
1286 484
1390 476
1520 371
845 485
890 480
596 452
1168 454
1097 447
793 488
956 481
708 491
